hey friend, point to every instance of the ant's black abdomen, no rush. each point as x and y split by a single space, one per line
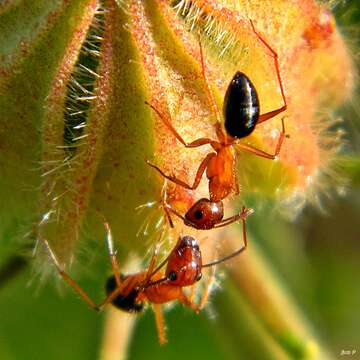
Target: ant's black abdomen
126 303
241 106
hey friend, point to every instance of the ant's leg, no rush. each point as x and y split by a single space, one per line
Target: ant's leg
210 95
168 216
269 115
198 176
187 302
160 323
170 209
150 270
67 278
273 113
167 122
166 207
264 154
77 287
236 184
115 267
109 298
242 216
112 254
235 253
165 204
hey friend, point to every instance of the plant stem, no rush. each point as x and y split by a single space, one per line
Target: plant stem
117 334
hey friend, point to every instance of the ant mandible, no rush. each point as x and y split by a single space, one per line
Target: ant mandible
242 114
129 292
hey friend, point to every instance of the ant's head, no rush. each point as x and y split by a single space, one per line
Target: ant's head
204 214
184 263
123 302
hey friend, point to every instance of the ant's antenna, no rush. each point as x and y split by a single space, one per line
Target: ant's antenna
237 252
228 257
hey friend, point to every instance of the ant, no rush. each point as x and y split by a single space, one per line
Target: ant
241 114
129 292
204 214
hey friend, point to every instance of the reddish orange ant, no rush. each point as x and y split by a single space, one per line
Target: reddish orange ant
129 292
242 114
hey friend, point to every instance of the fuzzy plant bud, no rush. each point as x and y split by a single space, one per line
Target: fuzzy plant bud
76 128
91 90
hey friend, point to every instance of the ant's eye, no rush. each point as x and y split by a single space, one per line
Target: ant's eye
198 215
172 276
199 277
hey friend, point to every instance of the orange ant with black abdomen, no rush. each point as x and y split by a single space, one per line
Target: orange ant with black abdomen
241 115
128 293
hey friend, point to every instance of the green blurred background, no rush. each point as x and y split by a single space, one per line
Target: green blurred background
317 256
